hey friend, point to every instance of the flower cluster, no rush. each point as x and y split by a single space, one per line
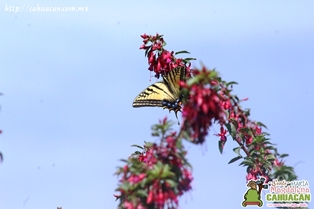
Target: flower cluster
157 176
160 60
209 99
261 156
202 106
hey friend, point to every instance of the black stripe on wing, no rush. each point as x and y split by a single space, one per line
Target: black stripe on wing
154 95
172 79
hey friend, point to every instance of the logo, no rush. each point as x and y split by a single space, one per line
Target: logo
253 194
278 193
288 193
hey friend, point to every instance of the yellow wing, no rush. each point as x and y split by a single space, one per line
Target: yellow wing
165 94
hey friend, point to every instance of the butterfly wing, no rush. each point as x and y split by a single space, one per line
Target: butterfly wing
153 96
172 80
163 94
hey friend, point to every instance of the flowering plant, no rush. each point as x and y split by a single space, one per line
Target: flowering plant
158 174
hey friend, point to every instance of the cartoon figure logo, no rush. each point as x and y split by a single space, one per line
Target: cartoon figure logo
253 194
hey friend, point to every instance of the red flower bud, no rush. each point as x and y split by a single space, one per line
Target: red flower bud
150 197
144 36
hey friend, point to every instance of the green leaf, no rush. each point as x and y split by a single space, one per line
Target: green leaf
165 171
234 127
234 159
231 129
237 151
185 135
266 142
134 169
118 172
220 146
137 153
261 124
283 155
179 144
246 130
134 145
182 156
254 155
213 74
188 59
228 126
182 52
125 186
247 163
231 83
171 182
193 80
247 112
141 192
271 157
226 113
155 134
269 148
156 169
258 139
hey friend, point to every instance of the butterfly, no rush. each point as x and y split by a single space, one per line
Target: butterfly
165 94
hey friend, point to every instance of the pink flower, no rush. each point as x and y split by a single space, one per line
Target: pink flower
222 134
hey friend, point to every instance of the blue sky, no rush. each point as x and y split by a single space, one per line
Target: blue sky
69 79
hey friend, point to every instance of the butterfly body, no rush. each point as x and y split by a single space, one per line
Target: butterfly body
165 94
